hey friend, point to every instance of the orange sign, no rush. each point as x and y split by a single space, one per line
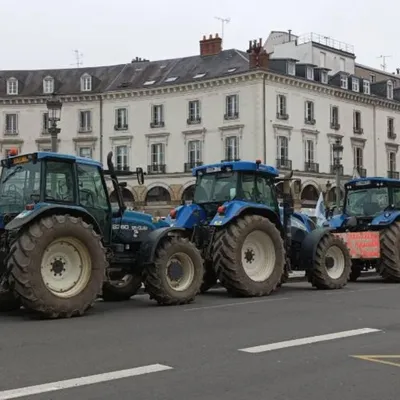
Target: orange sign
365 245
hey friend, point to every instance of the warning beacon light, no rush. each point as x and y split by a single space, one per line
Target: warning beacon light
13 152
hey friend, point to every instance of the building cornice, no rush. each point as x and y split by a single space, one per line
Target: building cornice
251 76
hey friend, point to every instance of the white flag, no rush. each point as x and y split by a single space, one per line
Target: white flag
320 210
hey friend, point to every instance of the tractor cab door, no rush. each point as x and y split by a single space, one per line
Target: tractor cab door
93 196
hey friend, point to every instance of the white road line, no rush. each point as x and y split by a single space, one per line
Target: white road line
308 340
86 380
239 303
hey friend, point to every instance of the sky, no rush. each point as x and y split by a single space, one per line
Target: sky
43 34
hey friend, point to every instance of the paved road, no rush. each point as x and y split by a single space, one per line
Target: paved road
199 348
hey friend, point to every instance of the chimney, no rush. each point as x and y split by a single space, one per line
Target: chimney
210 46
258 58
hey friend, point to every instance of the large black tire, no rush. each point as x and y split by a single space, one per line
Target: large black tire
156 274
355 272
8 301
389 267
209 278
228 257
30 247
123 292
320 275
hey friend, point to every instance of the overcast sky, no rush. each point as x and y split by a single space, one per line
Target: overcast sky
44 34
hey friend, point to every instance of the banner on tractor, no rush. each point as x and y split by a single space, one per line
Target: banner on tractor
364 245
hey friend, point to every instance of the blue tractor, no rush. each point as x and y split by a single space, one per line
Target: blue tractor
62 245
247 243
370 225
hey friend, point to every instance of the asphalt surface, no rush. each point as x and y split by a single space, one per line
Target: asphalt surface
201 343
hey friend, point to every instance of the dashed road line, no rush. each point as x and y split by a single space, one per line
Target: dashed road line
83 381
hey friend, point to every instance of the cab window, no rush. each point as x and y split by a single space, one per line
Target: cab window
59 181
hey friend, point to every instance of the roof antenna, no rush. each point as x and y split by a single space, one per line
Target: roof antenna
223 22
384 65
78 57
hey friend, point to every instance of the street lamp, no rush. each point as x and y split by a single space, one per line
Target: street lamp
337 150
54 106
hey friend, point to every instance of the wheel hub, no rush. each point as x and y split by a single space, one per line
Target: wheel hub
329 262
58 266
249 255
175 270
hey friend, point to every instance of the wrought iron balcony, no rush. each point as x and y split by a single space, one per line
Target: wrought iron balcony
282 163
156 169
190 165
311 167
393 174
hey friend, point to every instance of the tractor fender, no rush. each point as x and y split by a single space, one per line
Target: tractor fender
149 247
386 218
27 216
309 247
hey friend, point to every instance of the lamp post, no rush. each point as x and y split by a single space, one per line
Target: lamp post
337 150
54 106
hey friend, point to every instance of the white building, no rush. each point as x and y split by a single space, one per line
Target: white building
168 116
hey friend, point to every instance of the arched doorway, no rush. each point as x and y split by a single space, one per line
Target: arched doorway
331 197
127 195
158 195
188 194
309 196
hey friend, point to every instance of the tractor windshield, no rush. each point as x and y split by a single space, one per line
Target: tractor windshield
366 202
19 186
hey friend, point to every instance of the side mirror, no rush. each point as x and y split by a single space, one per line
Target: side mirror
140 175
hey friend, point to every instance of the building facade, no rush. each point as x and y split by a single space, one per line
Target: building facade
168 116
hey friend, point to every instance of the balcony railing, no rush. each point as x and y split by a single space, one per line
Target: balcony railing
393 174
282 163
190 165
333 170
231 115
311 167
157 124
362 172
156 169
193 120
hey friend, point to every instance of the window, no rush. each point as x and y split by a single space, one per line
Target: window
230 70
85 152
322 59
390 90
342 64
357 122
390 127
309 112
11 124
92 192
85 121
59 181
291 68
194 112
148 83
157 116
231 148
334 116
281 106
392 161
48 85
121 119
122 158
355 85
197 76
324 77
45 123
232 106
310 73
12 86
158 158
171 79
343 82
358 157
257 189
367 87
194 152
309 151
282 149
86 83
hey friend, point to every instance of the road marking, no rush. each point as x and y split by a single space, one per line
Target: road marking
308 340
381 359
86 380
239 303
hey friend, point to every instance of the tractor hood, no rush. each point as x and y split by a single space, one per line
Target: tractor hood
136 218
187 216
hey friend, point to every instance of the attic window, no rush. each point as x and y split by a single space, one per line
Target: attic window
12 86
390 90
86 83
48 85
171 79
147 83
310 73
232 69
324 77
355 85
291 68
344 82
138 69
162 66
197 76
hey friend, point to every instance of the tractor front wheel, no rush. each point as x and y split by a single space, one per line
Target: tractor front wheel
249 257
176 275
389 268
123 289
58 266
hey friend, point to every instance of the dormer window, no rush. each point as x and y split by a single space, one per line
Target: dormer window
367 87
86 83
291 68
344 84
324 77
355 85
389 87
310 73
12 86
48 85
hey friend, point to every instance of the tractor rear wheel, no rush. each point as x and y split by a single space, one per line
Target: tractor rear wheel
177 273
8 301
249 257
332 264
123 289
58 266
389 268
